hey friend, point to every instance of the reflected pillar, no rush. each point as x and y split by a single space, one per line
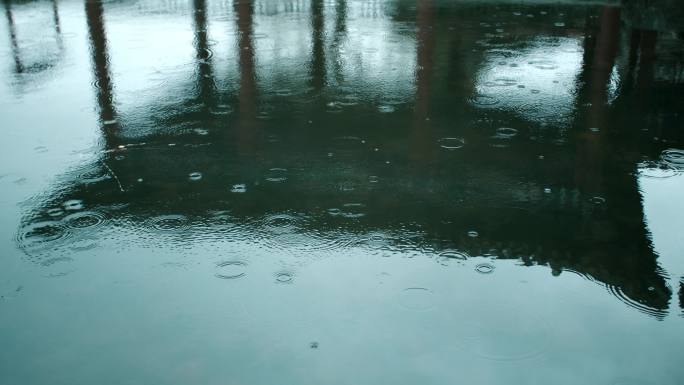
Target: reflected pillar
590 139
58 26
202 56
340 33
18 66
422 148
631 264
317 41
244 10
101 73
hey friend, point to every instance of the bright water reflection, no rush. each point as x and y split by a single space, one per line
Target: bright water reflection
259 192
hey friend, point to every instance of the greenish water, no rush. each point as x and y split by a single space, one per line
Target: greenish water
341 192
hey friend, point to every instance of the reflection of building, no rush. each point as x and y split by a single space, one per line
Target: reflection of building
438 134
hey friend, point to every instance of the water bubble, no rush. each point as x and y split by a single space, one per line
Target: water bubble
353 210
231 269
334 107
543 64
484 268
502 82
451 143
483 100
673 156
169 222
84 219
73 204
41 234
284 92
373 179
276 175
334 211
221 109
195 176
239 188
385 109
597 200
559 24
109 122
445 257
594 129
473 234
417 298
547 190
453 255
505 133
93 175
201 131
280 223
657 170
376 241
284 277
55 212
349 100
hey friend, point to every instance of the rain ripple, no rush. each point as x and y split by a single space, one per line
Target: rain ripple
231 269
619 294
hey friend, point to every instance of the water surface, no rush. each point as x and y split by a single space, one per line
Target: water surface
341 192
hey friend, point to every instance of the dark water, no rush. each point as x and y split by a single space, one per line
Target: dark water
341 192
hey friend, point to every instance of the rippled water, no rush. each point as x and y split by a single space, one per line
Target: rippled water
356 192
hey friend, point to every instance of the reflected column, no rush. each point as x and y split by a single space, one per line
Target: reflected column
317 42
100 63
248 90
422 148
614 230
58 26
205 79
340 34
18 66
590 142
